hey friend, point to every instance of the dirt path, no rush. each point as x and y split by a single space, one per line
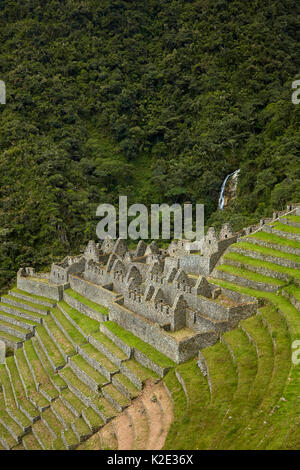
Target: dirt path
143 425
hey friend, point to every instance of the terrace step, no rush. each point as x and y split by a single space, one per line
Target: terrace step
6 439
42 435
273 241
81 429
52 422
125 386
86 373
70 439
24 304
98 361
10 424
84 324
38 400
36 299
10 403
65 347
50 349
103 408
107 347
59 444
23 403
137 373
23 314
68 329
63 413
54 378
115 397
262 267
72 402
16 331
93 420
86 306
41 379
31 443
263 253
76 386
16 320
245 278
11 341
142 352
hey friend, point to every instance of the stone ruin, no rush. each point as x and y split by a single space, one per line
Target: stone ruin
161 296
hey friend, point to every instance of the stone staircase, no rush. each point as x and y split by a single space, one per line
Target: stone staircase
70 375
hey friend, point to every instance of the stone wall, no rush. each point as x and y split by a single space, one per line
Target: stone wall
92 291
178 351
40 288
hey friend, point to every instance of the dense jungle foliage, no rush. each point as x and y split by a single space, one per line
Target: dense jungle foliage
155 99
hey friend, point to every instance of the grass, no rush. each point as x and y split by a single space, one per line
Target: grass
69 376
135 342
59 337
26 302
266 251
99 357
293 218
117 396
256 263
275 239
256 277
51 348
89 370
33 296
286 228
70 329
93 305
87 324
6 336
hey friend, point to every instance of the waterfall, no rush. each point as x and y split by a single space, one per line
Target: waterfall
222 193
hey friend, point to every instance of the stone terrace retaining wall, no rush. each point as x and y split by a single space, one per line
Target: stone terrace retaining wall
92 291
178 351
40 288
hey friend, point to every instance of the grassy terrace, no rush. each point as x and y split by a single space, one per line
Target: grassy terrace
286 228
26 303
51 348
293 218
134 342
284 416
97 307
248 261
70 329
256 277
15 309
32 296
13 339
273 238
295 291
87 324
266 251
98 356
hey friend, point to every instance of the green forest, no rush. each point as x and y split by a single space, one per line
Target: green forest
157 100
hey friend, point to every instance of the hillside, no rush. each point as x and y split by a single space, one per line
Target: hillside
75 379
158 100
